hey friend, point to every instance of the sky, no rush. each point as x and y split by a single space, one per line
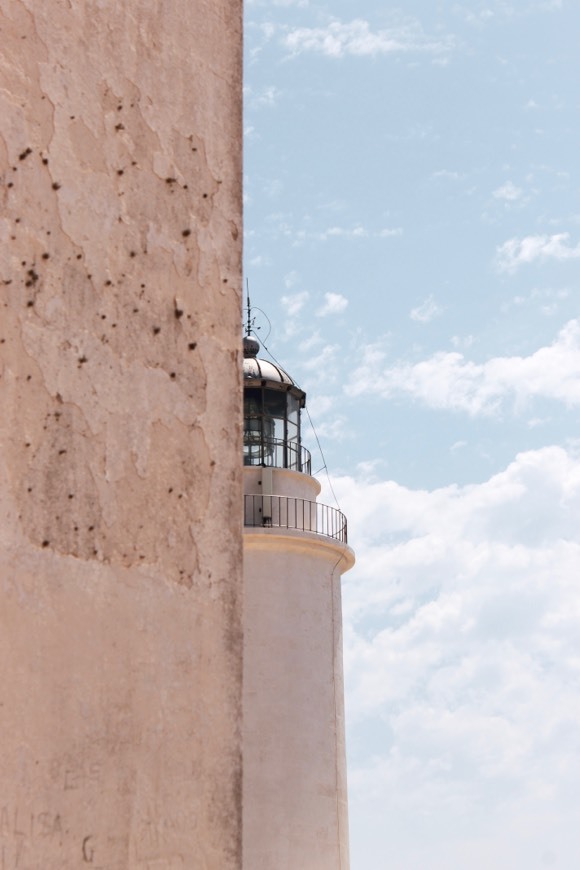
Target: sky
412 238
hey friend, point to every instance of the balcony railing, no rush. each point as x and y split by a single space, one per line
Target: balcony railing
286 512
276 453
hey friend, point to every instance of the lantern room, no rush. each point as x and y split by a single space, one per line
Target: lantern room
272 406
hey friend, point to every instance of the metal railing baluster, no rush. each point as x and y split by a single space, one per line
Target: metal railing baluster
286 512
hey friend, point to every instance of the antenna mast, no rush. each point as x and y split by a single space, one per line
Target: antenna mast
249 319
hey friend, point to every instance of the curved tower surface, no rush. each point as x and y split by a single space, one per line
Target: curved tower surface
295 551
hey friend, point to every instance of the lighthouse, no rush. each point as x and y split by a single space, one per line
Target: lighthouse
295 551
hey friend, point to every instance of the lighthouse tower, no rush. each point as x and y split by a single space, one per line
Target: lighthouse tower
295 550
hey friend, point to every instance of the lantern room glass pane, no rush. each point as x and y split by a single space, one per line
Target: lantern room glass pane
252 402
293 409
271 428
275 403
253 427
278 428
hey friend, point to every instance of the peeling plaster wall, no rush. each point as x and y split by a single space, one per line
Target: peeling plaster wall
120 474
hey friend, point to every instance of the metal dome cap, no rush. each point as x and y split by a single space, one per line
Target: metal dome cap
263 372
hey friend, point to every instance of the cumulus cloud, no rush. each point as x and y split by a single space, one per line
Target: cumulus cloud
290 279
545 300
448 174
463 341
325 411
339 232
517 252
312 340
334 303
294 303
356 37
508 192
491 10
333 429
282 224
461 624
357 232
389 232
426 311
325 360
347 233
258 260
448 380
266 97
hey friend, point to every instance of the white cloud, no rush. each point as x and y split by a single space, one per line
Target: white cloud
320 405
357 232
332 205
534 422
508 192
338 39
329 423
290 279
447 380
347 233
268 29
461 623
323 361
334 303
493 10
258 260
273 187
479 17
546 299
515 252
311 341
335 429
450 175
463 341
293 304
267 97
306 230
426 311
368 470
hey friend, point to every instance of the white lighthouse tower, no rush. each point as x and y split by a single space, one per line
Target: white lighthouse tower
295 550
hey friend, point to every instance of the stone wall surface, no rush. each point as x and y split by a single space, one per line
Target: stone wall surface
120 477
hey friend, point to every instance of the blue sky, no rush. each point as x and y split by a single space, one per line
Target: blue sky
412 225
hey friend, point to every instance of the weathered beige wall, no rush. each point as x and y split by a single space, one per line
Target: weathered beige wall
120 478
